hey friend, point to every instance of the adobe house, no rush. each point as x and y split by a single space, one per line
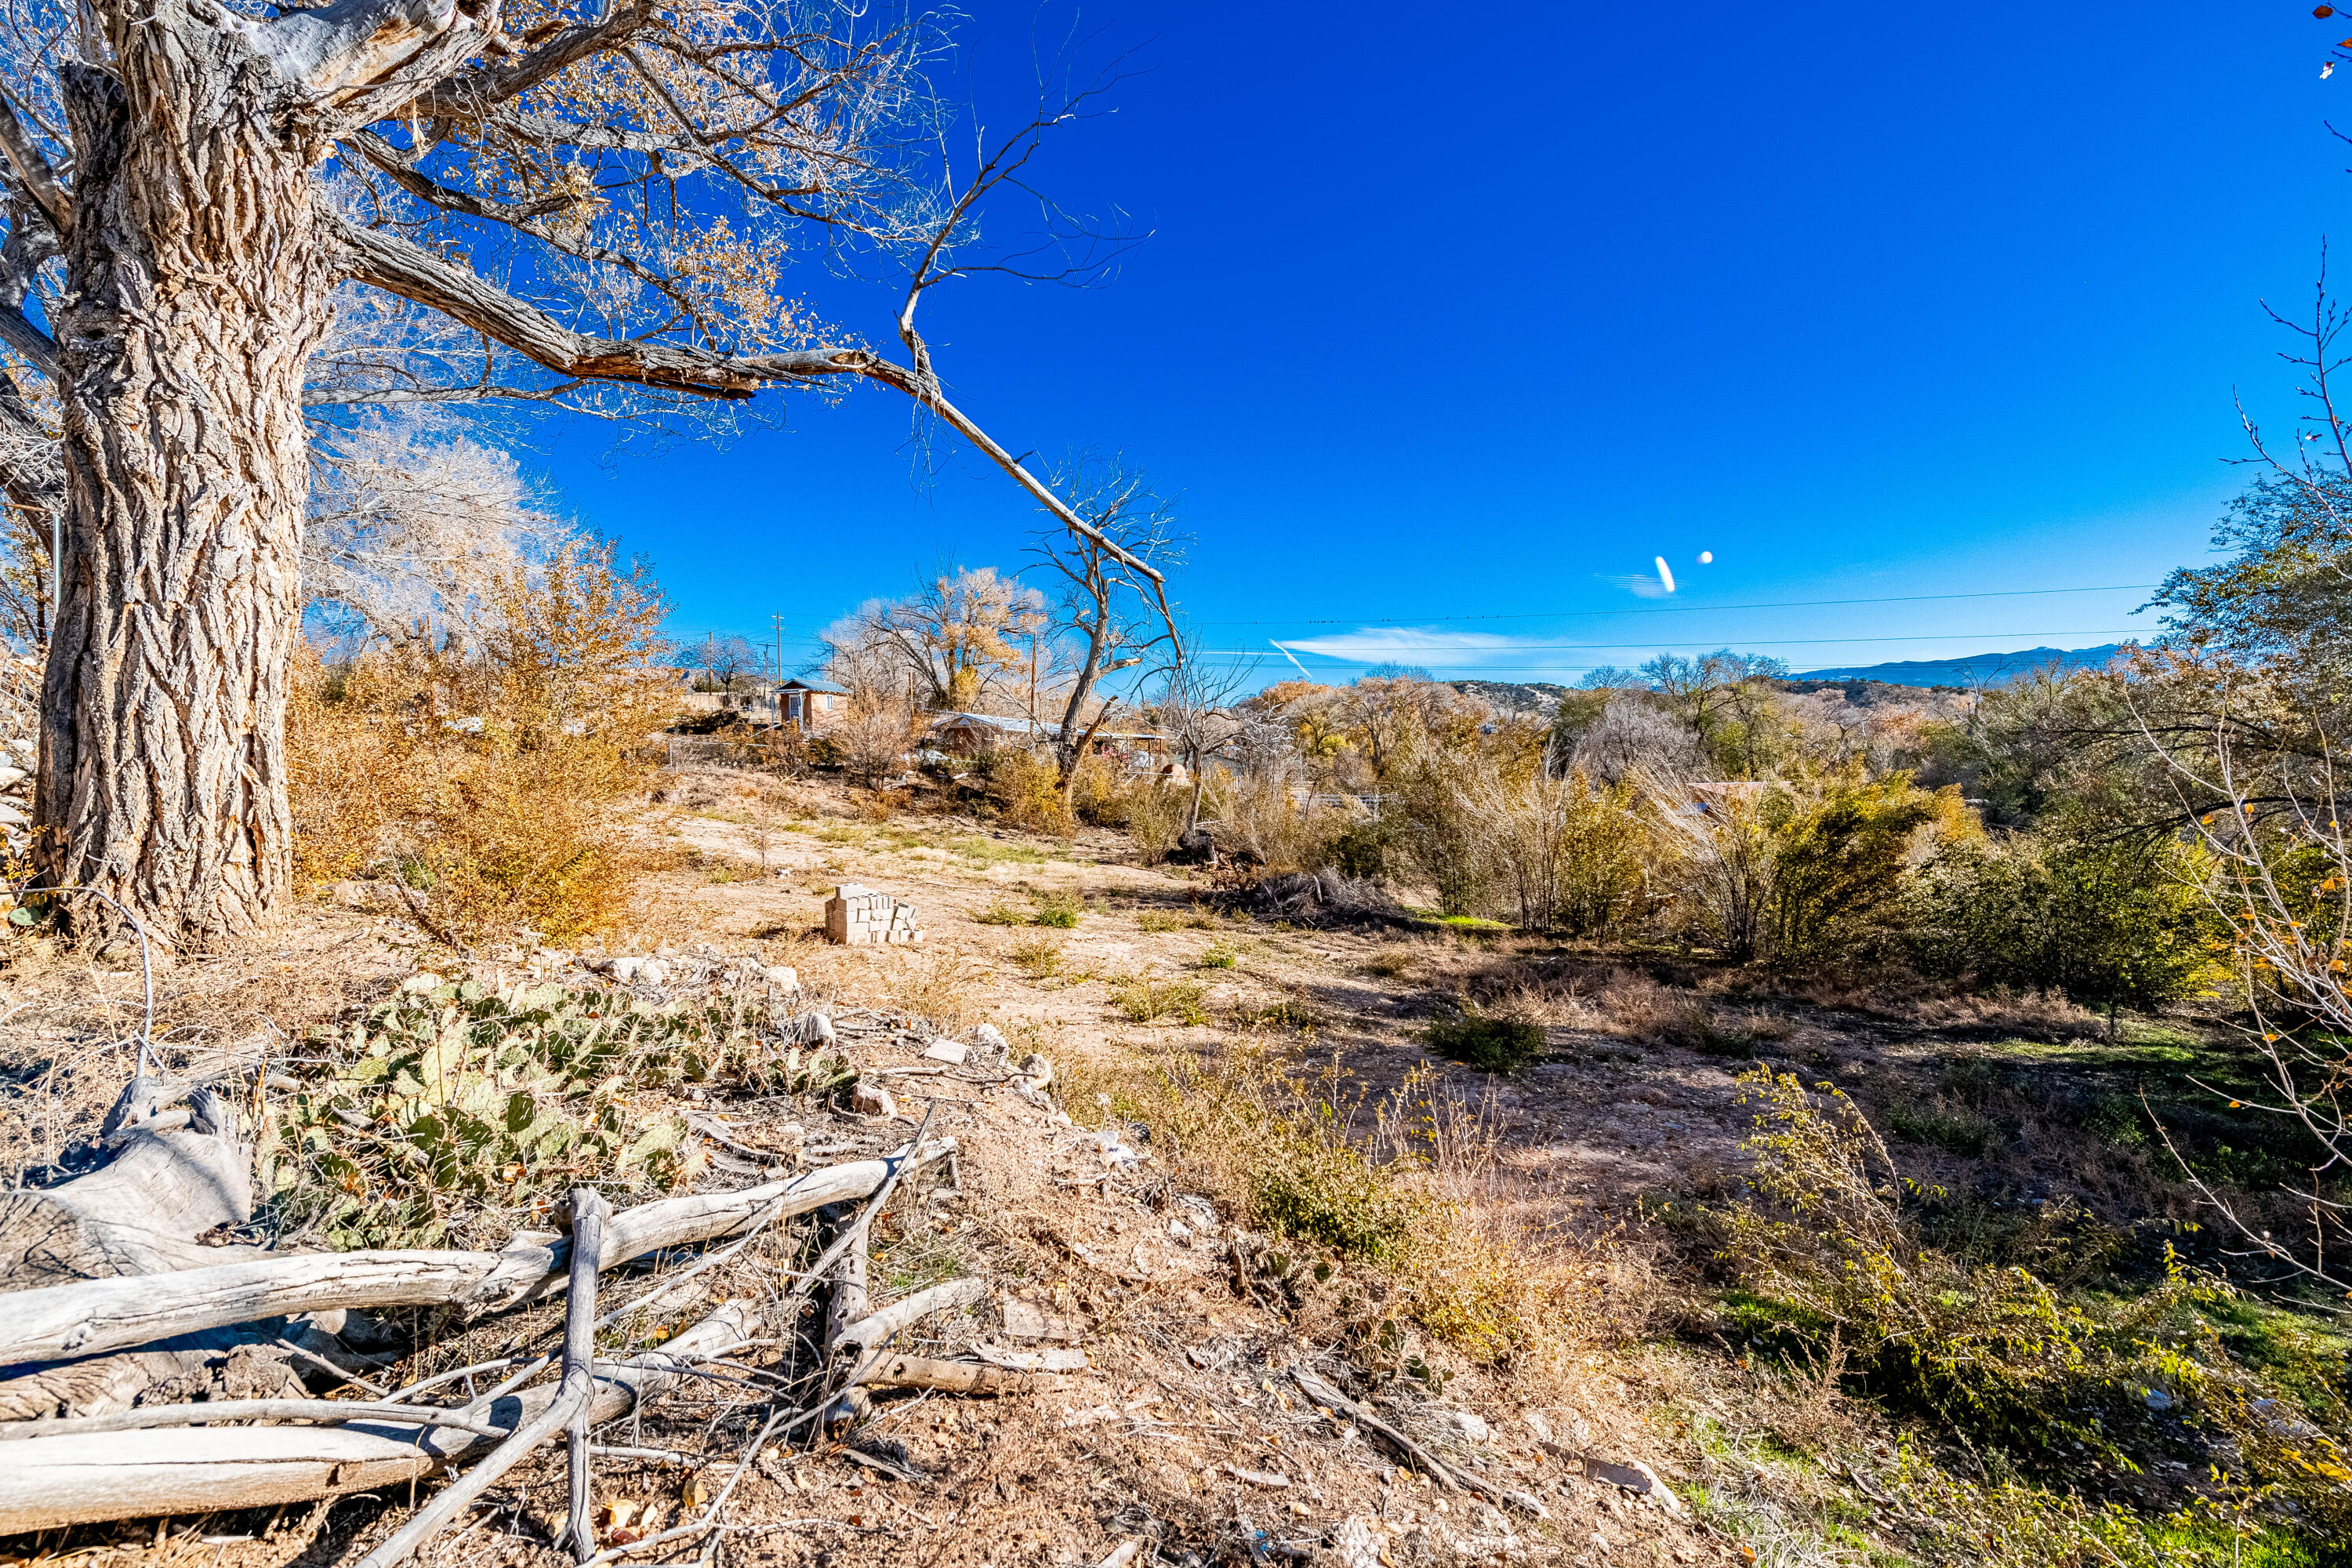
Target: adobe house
809 708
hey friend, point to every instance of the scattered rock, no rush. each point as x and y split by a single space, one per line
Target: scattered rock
1270 1479
783 976
870 1098
1356 1542
947 1051
1028 1321
1634 1477
990 1039
1466 1424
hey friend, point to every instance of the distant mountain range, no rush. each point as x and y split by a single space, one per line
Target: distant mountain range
1975 669
1539 698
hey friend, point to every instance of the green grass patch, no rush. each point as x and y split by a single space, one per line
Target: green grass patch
1039 959
1219 955
994 851
1147 999
1194 919
1487 1043
1060 910
1957 1130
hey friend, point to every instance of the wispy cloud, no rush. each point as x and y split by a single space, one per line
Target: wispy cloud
1641 585
1430 646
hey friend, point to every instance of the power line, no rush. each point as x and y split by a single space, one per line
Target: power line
1701 609
1373 655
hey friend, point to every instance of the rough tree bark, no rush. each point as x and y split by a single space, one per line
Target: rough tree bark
194 266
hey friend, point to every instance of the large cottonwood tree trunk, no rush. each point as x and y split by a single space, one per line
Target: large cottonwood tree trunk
196 292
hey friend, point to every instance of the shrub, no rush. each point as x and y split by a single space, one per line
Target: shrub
1315 1186
1060 910
1097 795
1256 816
1489 1043
999 913
1155 819
1021 785
1838 868
1219 956
498 780
2112 922
1039 959
1148 998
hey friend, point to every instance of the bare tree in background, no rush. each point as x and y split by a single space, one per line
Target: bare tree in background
727 659
586 208
1197 706
956 641
1111 614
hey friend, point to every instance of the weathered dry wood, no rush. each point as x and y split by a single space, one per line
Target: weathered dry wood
98 1315
1396 1442
955 1376
73 1480
138 1214
568 1409
223 1412
588 1212
871 1332
1410 1452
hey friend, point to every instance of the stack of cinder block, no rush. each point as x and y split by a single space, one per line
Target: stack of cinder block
861 917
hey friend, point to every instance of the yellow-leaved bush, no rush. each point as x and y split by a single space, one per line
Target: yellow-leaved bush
489 784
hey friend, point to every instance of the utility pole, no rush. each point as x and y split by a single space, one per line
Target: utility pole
780 667
1033 689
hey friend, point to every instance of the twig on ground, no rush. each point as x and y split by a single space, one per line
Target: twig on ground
588 1212
577 1391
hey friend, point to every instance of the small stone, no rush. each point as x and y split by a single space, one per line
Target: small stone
2159 1400
1027 1320
652 972
1037 1069
947 1051
870 1098
1465 1425
990 1038
1539 1426
783 976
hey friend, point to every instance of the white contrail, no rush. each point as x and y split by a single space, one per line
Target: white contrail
1665 574
1293 657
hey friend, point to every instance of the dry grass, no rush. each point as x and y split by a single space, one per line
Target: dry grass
492 790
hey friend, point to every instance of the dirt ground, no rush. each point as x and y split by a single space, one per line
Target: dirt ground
1180 1424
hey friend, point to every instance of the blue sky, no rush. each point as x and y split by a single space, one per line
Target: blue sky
1449 315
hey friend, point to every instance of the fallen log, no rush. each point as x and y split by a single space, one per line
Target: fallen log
172 1180
95 1316
51 1481
955 1376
